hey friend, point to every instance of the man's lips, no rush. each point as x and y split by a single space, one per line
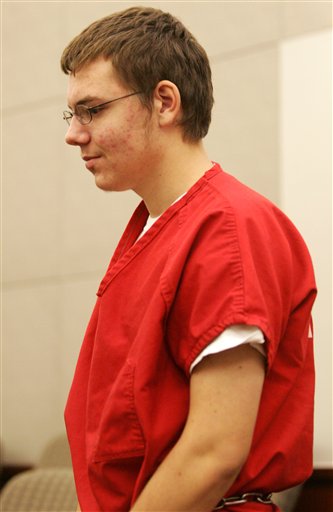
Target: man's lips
90 161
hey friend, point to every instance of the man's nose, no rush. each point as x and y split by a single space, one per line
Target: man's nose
77 134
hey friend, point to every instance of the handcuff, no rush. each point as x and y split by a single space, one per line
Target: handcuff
258 497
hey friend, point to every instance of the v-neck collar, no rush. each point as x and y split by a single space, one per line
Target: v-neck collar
130 246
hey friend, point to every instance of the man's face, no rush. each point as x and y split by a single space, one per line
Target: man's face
118 144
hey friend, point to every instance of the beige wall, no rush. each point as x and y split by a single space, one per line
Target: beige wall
58 229
306 194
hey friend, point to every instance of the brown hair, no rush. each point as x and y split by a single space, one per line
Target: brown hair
147 45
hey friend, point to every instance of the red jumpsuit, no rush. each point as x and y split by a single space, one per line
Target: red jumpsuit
221 255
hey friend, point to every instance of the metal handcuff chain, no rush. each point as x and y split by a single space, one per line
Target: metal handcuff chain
244 498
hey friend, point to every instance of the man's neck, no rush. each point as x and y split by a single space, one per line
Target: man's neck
180 169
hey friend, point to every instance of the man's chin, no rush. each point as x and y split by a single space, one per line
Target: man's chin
109 186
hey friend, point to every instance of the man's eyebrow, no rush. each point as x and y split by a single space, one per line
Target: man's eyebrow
85 100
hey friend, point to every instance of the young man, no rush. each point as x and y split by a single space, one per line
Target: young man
194 386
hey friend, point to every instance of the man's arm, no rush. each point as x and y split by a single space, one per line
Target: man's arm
225 391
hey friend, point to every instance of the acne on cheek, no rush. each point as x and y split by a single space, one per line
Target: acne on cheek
119 145
112 139
125 136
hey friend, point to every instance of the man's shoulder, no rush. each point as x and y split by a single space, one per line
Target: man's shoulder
229 189
223 193
225 205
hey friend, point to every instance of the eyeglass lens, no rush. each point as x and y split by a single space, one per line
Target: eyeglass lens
81 112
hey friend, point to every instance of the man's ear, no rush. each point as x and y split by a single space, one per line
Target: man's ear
167 103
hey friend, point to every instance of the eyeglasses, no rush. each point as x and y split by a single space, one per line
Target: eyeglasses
85 114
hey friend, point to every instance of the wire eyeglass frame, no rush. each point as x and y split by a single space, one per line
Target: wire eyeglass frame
85 114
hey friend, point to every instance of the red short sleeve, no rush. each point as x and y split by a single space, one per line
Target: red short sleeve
240 268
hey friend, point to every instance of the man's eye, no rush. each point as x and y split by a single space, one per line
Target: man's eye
95 110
